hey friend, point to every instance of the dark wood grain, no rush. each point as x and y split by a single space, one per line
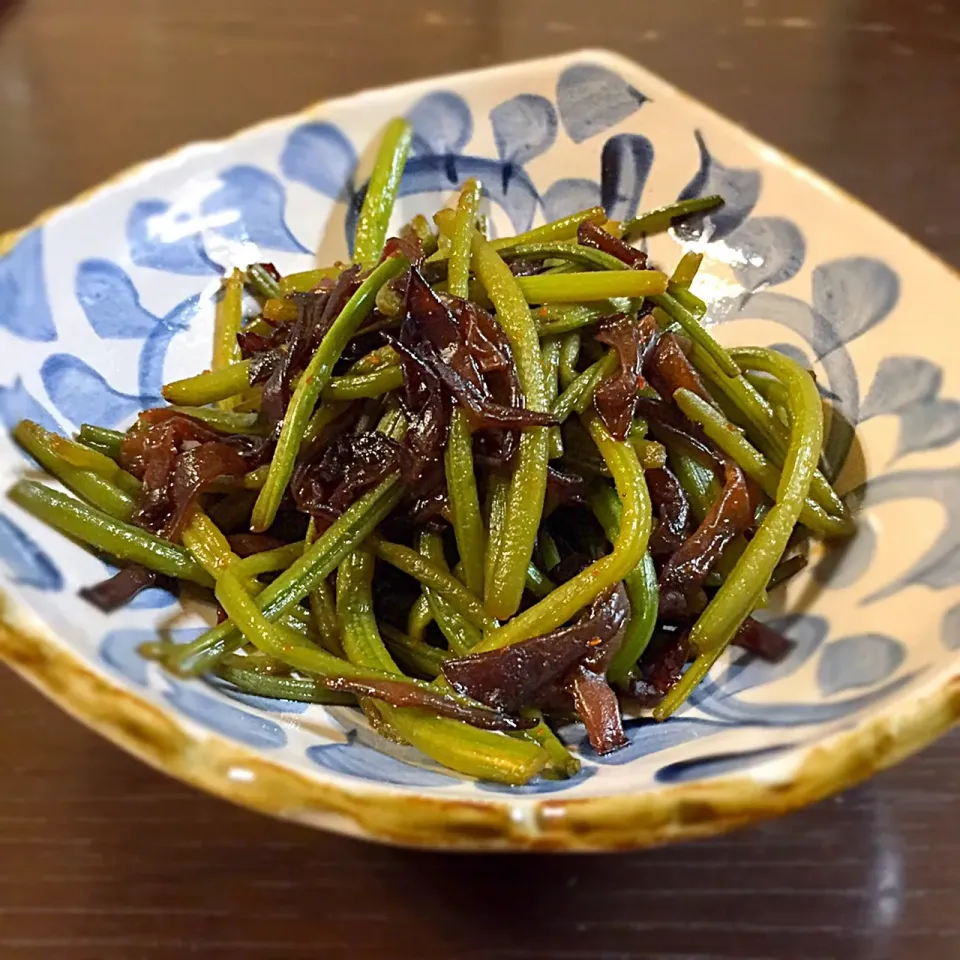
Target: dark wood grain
103 859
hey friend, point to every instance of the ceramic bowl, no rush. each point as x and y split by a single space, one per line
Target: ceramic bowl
110 296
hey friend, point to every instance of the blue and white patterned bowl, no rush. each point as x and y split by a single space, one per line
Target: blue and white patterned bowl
103 300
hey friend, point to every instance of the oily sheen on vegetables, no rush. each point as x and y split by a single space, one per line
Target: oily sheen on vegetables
477 487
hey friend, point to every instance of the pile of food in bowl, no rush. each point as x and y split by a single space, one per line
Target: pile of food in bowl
476 487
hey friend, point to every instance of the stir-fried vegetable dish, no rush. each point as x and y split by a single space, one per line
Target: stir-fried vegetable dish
476 487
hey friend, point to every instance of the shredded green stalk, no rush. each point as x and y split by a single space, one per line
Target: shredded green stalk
657 221
628 548
504 586
374 219
478 753
226 347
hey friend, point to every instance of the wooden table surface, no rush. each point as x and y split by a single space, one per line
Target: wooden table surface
103 859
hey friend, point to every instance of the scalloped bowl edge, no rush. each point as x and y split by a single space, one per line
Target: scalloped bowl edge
620 822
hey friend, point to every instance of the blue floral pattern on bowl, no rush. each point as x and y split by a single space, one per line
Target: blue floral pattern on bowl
114 295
